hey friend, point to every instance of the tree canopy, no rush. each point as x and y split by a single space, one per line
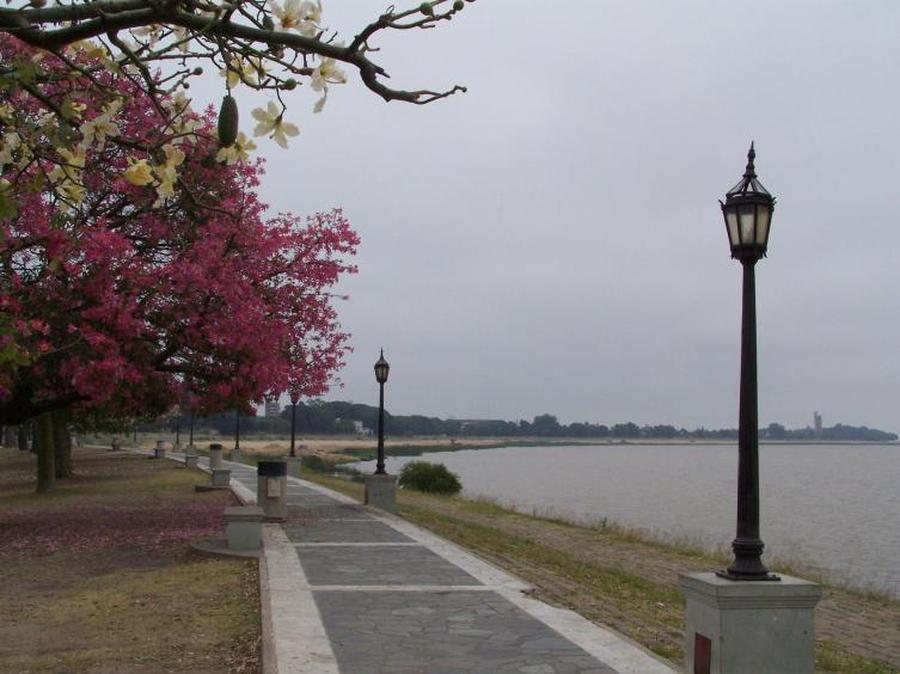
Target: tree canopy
137 265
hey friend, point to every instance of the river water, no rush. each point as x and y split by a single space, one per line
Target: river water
835 508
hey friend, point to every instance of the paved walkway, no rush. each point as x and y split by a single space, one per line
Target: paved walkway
358 591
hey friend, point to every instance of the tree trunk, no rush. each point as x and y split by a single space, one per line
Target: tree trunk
46 473
62 443
23 437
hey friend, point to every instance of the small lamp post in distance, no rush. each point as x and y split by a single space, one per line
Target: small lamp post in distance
747 211
382 368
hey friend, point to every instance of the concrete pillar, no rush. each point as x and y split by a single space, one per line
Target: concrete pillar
190 460
221 477
749 627
243 527
236 454
293 465
271 489
160 451
215 456
381 492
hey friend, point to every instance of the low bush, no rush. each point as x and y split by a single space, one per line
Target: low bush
432 478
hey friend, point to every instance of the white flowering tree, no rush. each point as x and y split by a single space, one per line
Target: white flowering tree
161 46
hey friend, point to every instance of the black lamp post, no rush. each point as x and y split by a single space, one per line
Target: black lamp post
748 213
178 429
237 431
293 424
381 374
191 435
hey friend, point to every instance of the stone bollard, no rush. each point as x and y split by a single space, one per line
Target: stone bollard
221 477
160 451
243 527
271 489
293 465
749 627
116 445
190 460
381 492
215 456
236 454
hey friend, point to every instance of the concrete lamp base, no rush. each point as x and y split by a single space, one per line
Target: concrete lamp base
381 492
221 477
243 526
190 461
293 466
749 627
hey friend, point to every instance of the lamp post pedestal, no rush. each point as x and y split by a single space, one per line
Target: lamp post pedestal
293 465
749 627
381 491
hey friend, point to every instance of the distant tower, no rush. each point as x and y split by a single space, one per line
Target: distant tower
273 409
817 423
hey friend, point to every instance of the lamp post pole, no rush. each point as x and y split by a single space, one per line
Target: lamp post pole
293 426
748 212
381 374
191 435
237 430
178 429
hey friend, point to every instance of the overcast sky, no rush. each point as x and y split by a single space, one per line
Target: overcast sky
551 241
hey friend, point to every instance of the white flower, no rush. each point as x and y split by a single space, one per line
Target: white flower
97 129
239 70
327 73
138 172
238 151
271 121
10 142
304 17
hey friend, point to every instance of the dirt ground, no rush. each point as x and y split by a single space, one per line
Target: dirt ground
98 577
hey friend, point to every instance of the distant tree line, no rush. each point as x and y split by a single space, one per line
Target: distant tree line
339 417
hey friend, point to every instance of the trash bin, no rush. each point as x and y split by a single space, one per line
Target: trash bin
271 489
215 456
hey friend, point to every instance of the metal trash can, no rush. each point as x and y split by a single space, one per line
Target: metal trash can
160 451
215 456
271 489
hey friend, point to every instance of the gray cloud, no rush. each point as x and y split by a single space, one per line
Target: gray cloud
551 240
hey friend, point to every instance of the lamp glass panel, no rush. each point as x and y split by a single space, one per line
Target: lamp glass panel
763 218
746 220
731 220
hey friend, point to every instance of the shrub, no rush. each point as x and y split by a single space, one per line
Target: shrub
432 478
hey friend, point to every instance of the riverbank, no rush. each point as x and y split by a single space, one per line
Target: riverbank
363 448
617 577
97 576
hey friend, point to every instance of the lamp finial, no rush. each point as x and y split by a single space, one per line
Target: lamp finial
750 171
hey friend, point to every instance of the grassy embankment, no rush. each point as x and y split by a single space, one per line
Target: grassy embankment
620 578
97 576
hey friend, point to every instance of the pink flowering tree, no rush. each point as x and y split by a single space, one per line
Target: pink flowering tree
136 260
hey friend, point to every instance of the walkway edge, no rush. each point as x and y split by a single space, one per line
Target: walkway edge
298 633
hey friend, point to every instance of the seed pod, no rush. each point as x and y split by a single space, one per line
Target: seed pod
426 9
458 5
228 121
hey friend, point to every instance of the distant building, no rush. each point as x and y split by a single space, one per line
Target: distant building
273 407
817 423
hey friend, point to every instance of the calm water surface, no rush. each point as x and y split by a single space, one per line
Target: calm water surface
833 507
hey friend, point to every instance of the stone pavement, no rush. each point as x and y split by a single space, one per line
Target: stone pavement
353 590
